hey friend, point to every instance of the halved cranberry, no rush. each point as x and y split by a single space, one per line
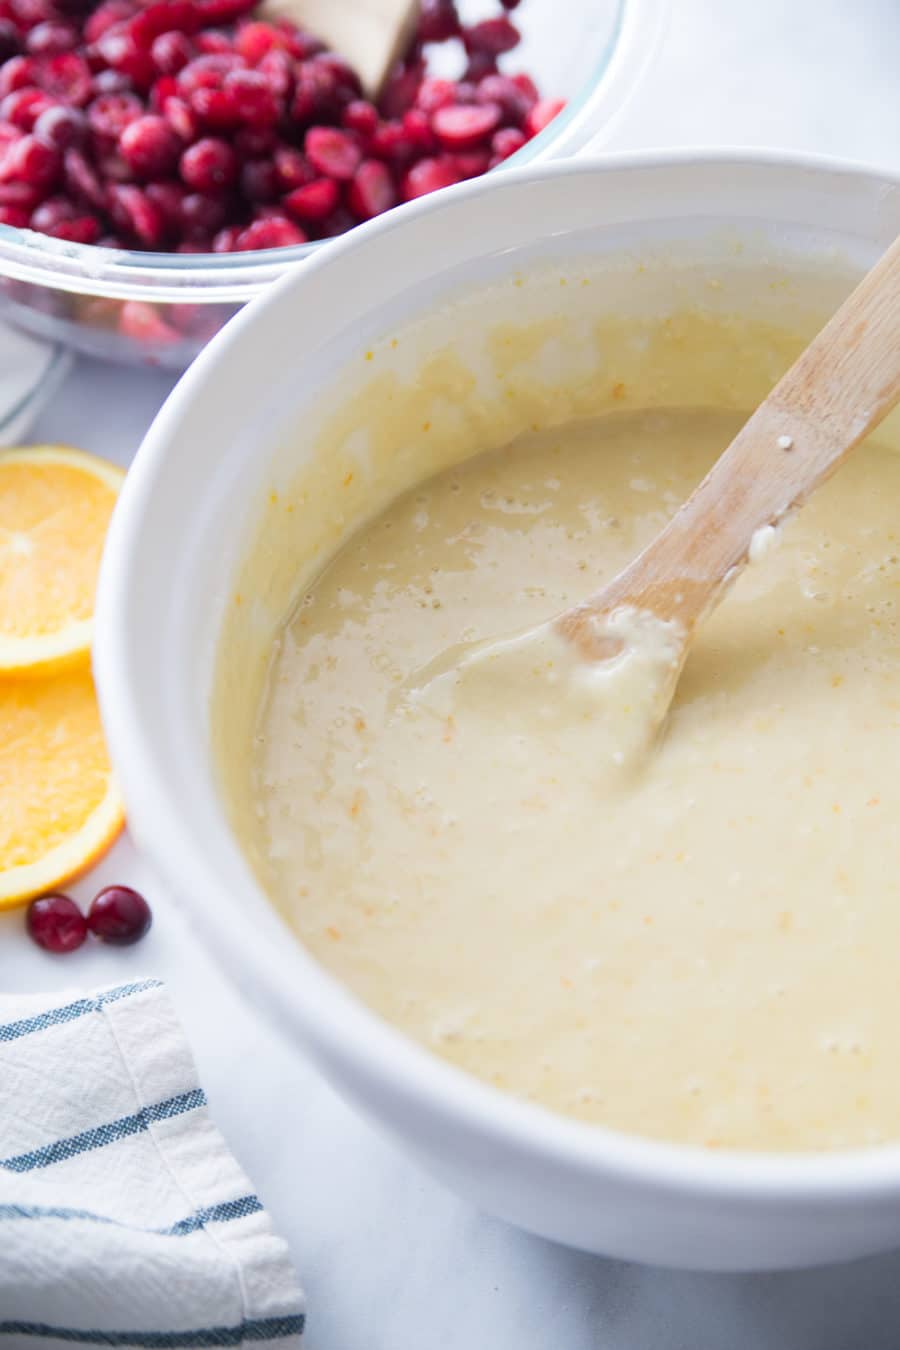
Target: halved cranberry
292 167
434 94
32 161
210 165
150 147
119 915
332 152
51 38
428 176
315 200
182 119
417 127
542 114
17 73
56 923
461 128
106 16
171 52
493 36
361 117
274 232
372 190
391 142
134 213
67 77
110 114
23 107
506 142
508 97
61 126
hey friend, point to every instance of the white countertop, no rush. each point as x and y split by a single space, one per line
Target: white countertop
390 1260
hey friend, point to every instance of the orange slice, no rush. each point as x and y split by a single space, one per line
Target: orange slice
59 805
55 505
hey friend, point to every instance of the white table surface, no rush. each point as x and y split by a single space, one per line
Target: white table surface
390 1260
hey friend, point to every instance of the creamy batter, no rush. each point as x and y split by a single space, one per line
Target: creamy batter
692 933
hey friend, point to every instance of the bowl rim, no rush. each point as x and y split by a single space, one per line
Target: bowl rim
623 54
322 1011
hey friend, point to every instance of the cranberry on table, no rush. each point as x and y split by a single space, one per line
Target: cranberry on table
56 923
119 915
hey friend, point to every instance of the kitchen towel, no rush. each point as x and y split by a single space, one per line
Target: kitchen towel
124 1218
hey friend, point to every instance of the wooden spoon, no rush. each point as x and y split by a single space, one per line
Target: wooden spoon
842 386
369 34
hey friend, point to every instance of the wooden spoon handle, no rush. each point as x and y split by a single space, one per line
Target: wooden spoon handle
845 382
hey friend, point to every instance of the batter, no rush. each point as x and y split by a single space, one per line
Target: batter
690 933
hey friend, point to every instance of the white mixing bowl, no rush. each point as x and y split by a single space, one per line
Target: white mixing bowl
176 541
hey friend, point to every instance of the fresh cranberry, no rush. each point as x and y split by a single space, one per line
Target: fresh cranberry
332 152
32 161
168 198
67 77
417 126
401 89
506 142
132 211
275 232
317 96
479 66
372 190
110 114
226 240
223 11
292 167
493 36
17 73
111 82
254 39
392 143
339 222
118 915
150 147
202 215
461 128
429 175
24 195
361 117
81 181
506 94
162 16
542 114
50 38
259 181
510 4
213 42
472 163
254 102
215 109
171 52
164 88
106 16
61 126
526 85
438 21
278 70
23 107
434 94
315 200
254 142
209 166
56 924
59 217
181 118
15 216
118 49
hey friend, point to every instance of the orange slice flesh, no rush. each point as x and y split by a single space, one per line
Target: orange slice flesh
55 505
59 805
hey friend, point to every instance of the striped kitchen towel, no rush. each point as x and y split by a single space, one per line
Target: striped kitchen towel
124 1218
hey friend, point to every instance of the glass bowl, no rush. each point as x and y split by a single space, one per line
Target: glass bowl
160 309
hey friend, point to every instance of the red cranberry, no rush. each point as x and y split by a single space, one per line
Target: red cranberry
317 96
460 128
259 181
479 66
208 166
31 161
16 216
118 49
472 163
527 86
315 200
111 82
223 11
339 222
212 42
361 117
61 126
253 100
118 915
168 198
542 114
434 94
508 97
181 118
171 52
332 152
275 232
150 147
255 39
493 36
56 924
23 107
429 175
163 16
59 217
202 215
110 114
510 4
81 181
372 190
50 38
253 142
24 195
293 168
438 21
226 240
132 211
391 142
278 69
417 127
106 16
506 142
400 91
17 73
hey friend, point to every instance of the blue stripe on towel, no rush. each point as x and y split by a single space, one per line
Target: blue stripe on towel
11 1031
104 1134
260 1329
221 1213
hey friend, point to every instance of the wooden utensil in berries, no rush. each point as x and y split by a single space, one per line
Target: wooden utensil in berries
369 34
846 381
